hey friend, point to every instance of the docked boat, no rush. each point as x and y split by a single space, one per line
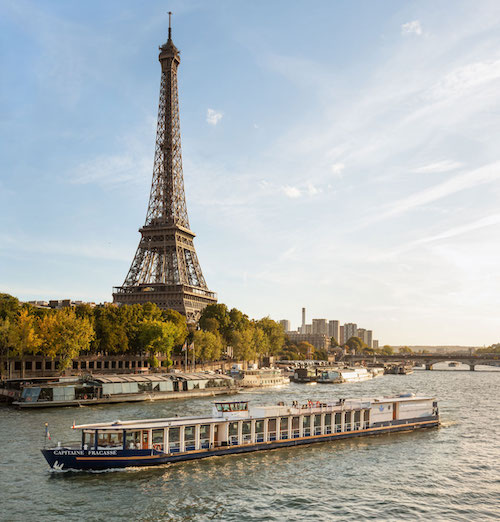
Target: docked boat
259 377
233 427
105 389
399 369
341 375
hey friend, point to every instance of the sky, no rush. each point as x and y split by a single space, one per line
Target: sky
338 155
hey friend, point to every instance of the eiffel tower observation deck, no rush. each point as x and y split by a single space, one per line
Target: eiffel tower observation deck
165 269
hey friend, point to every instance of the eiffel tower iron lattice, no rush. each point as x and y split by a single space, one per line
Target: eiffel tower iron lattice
165 269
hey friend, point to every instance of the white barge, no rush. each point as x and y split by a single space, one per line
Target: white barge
233 427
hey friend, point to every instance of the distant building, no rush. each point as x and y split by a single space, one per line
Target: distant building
285 323
350 330
369 338
341 338
362 334
333 330
375 344
303 317
319 326
66 303
319 341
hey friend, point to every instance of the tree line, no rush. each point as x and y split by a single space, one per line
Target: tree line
133 329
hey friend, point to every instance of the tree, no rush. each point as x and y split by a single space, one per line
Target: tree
64 335
179 321
333 342
306 349
208 345
22 335
9 306
355 343
405 350
158 337
274 333
243 344
387 350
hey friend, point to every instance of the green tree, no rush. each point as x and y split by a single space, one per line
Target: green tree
179 321
243 345
64 335
405 350
387 350
333 342
356 343
9 306
208 345
274 333
158 337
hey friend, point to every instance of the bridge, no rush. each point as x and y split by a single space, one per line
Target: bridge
429 359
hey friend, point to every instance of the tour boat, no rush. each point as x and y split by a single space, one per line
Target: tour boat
233 427
341 375
259 377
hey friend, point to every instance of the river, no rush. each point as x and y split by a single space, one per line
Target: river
450 473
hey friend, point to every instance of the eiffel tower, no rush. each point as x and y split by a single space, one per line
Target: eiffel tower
165 269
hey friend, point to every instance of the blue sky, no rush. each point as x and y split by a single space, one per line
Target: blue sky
338 155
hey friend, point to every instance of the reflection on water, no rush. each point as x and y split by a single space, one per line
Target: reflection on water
445 474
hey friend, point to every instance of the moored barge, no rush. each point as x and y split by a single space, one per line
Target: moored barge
233 427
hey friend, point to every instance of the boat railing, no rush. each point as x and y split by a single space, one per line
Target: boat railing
271 435
307 432
233 439
174 447
247 438
284 434
204 443
317 430
259 437
347 426
295 434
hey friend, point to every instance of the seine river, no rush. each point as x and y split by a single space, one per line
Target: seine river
450 473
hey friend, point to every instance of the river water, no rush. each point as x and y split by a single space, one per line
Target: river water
450 473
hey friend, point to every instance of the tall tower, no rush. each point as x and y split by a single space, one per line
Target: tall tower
165 269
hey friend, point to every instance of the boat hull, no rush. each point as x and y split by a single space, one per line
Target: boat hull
76 459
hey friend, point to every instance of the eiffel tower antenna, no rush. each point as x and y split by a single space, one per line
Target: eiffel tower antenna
165 269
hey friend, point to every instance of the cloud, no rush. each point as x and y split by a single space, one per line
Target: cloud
213 117
337 169
292 192
482 175
439 166
312 190
412 27
484 222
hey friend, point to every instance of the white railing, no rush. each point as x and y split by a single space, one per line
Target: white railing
284 434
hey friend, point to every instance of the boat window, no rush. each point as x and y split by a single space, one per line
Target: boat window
295 423
271 429
259 431
106 439
328 419
306 421
189 438
133 440
317 420
158 438
173 440
284 423
204 436
88 439
338 419
357 416
233 433
233 428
